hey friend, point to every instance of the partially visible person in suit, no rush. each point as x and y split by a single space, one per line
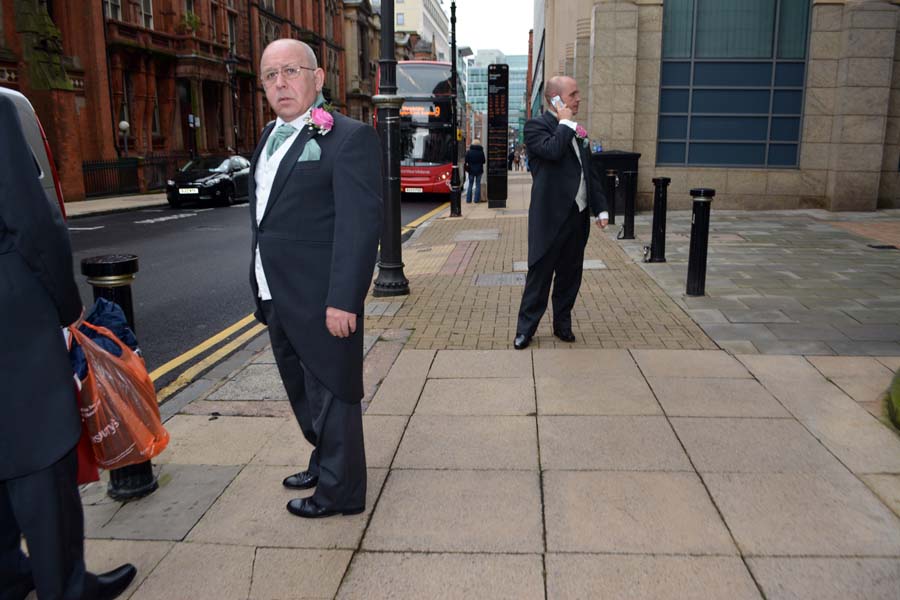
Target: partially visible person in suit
316 215
564 194
474 168
40 423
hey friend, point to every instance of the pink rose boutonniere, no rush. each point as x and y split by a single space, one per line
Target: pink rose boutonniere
321 120
581 134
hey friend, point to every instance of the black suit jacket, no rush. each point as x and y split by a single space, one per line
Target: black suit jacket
40 421
318 240
557 174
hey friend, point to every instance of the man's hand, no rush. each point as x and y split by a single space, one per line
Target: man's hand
340 323
602 223
565 113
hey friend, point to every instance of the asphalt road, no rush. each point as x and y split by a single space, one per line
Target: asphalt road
194 270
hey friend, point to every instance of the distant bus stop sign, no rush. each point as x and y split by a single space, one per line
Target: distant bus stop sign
497 134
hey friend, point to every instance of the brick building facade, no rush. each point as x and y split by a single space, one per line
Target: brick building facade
182 73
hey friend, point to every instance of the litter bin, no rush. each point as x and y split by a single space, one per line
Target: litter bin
621 162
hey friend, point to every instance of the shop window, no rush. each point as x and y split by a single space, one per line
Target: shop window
732 82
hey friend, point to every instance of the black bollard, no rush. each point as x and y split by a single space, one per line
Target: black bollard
612 182
111 277
660 200
696 277
630 192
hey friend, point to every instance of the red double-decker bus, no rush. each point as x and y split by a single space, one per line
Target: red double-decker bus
426 130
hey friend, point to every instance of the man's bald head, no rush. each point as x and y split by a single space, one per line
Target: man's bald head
290 92
304 52
564 87
556 84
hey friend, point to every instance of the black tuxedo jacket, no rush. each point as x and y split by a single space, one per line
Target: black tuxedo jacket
318 241
40 421
556 174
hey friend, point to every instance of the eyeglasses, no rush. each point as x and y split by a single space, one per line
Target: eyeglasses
269 77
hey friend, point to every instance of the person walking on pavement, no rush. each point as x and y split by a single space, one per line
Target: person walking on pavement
41 424
316 214
564 189
474 167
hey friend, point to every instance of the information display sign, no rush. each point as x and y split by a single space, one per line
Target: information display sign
497 134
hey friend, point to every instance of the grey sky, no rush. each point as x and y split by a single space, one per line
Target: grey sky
493 24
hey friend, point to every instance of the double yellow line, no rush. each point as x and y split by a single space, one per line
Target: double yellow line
188 375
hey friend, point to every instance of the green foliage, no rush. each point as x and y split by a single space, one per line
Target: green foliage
893 399
189 22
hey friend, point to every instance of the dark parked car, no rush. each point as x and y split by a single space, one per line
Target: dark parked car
216 179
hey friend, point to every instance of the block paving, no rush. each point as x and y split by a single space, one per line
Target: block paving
644 461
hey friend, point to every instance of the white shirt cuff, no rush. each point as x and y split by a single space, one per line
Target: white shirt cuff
602 216
571 124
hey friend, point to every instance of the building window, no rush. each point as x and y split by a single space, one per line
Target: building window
214 22
232 33
146 9
112 9
155 125
401 20
189 7
268 5
732 82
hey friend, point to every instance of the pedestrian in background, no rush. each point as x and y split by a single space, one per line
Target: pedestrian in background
510 159
41 424
474 167
315 202
564 191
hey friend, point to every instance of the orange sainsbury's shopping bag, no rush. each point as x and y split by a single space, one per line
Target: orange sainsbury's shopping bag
118 404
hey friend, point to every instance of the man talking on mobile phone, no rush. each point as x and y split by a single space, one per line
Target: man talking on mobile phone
565 197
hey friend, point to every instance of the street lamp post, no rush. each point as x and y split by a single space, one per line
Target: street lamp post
455 200
124 127
390 281
230 66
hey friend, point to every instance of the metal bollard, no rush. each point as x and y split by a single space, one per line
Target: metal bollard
630 192
612 182
660 201
111 277
696 276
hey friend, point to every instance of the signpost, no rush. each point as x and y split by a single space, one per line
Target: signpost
497 135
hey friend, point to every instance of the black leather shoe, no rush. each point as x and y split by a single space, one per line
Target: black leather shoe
308 509
565 334
301 481
111 584
521 342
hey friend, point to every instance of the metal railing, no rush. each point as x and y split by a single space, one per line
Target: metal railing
157 168
110 177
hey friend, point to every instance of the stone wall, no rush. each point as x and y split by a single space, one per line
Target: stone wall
850 144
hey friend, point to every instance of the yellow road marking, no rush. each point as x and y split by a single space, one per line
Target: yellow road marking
188 375
426 216
200 348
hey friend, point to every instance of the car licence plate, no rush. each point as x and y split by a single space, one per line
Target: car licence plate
413 190
188 191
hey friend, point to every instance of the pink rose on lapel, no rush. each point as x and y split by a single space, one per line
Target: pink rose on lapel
580 132
321 120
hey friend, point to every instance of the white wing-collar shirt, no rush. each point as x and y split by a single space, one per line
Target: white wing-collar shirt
264 177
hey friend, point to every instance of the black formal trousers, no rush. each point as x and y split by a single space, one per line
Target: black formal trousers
332 426
45 507
561 266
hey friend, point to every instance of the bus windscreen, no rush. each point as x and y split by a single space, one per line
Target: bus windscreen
423 80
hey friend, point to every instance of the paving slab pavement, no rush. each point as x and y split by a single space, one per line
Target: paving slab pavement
647 460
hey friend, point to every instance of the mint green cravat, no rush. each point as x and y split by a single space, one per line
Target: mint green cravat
278 137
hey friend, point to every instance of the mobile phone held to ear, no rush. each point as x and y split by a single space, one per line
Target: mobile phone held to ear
557 102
